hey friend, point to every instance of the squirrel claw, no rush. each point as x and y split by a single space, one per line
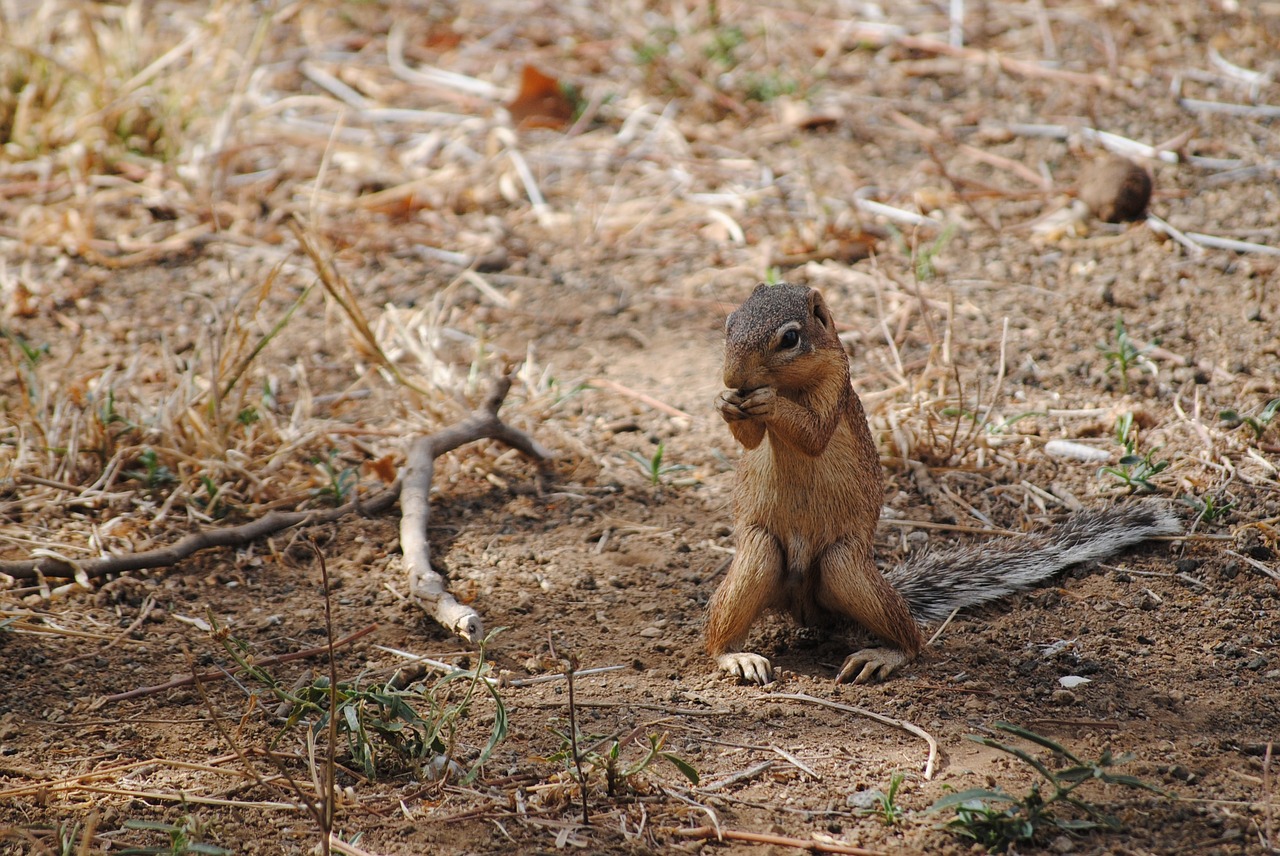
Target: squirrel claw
871 665
737 404
752 668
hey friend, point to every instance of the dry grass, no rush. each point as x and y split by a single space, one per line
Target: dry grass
305 140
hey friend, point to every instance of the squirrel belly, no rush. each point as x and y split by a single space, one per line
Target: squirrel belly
937 582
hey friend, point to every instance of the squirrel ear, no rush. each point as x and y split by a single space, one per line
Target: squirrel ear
818 308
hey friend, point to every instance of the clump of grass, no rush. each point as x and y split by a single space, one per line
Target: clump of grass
999 820
184 838
388 731
1257 424
767 86
1208 508
605 757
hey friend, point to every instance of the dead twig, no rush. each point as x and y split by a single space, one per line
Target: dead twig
930 763
733 778
614 386
1254 563
230 536
882 36
412 489
425 584
264 662
707 833
143 612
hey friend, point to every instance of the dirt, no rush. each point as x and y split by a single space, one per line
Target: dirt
973 345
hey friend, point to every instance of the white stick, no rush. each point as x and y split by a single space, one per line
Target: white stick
1156 224
887 720
435 76
896 215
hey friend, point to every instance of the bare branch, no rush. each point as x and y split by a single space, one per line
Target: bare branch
412 489
425 584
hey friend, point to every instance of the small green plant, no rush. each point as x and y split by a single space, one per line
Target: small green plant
1122 353
386 734
211 503
153 474
995 428
653 467
926 269
1208 508
1133 471
31 354
385 731
655 46
606 756
767 87
724 45
886 807
773 275
182 839
1257 424
340 481
997 819
109 416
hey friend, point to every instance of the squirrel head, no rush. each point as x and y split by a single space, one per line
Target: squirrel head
771 337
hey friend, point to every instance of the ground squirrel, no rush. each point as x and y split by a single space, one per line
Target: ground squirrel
808 496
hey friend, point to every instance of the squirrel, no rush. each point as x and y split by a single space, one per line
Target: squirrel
808 497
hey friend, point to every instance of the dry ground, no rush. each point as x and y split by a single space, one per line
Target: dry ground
159 380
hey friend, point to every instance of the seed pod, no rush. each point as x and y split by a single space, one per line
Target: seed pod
1116 189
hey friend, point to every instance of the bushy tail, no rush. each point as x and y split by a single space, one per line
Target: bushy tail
937 582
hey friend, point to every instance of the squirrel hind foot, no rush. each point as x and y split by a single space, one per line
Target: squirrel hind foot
752 668
871 665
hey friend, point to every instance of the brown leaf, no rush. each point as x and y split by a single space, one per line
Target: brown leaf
384 468
541 102
441 38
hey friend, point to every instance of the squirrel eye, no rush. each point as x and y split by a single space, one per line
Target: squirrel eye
790 339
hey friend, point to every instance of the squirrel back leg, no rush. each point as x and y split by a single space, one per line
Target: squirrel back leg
850 584
750 586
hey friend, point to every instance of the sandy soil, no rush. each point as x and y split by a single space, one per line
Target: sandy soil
608 303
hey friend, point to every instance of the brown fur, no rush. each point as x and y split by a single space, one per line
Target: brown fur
808 493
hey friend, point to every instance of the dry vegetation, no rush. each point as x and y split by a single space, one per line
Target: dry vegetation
249 252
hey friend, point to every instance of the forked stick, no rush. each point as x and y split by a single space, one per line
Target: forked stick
425 584
412 488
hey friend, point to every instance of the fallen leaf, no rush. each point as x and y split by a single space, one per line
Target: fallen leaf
384 468
541 102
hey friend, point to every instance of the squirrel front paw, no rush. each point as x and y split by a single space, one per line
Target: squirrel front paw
739 404
752 668
871 664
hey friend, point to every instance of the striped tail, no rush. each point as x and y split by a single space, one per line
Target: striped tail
937 582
